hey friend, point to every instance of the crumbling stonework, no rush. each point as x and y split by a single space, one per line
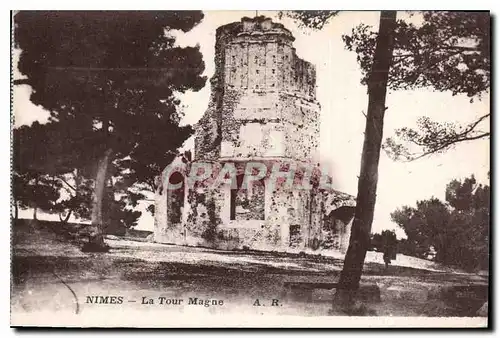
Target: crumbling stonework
262 109
263 96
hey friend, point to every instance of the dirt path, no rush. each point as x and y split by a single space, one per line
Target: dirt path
51 274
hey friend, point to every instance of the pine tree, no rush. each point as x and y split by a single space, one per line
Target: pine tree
109 80
403 56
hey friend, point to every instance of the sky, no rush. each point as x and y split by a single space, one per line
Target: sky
343 102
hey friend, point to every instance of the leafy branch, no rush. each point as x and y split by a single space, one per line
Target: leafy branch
431 137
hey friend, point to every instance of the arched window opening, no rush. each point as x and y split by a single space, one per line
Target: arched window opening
175 198
335 226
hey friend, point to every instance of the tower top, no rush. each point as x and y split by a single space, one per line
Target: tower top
258 25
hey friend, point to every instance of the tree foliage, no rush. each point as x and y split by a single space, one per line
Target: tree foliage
456 230
387 238
32 186
56 192
432 137
78 202
309 19
37 191
109 80
120 215
449 51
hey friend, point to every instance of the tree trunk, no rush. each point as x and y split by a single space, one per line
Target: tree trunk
66 219
35 209
16 211
368 177
96 240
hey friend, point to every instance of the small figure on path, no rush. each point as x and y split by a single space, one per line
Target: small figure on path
387 256
389 246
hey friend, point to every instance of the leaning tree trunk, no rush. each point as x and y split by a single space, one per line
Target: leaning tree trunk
16 210
35 208
368 177
96 240
76 189
66 219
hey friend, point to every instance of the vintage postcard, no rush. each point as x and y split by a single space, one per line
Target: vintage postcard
250 169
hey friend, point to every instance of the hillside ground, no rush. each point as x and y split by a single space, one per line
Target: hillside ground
50 273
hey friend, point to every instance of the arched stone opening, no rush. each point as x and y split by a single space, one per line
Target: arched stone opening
337 228
175 198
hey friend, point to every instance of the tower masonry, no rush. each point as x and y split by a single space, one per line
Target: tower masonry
262 111
263 100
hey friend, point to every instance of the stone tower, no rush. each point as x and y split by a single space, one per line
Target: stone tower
263 110
263 102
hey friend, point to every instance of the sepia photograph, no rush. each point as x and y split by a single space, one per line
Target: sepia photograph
250 169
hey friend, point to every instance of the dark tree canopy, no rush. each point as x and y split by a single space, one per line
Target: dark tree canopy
109 81
36 191
114 70
33 187
310 19
449 51
456 230
386 239
110 70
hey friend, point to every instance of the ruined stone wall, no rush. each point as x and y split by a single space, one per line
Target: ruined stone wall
160 219
262 108
282 210
293 219
169 205
346 236
208 220
208 129
263 100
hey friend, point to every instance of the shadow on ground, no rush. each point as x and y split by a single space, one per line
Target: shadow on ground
47 263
